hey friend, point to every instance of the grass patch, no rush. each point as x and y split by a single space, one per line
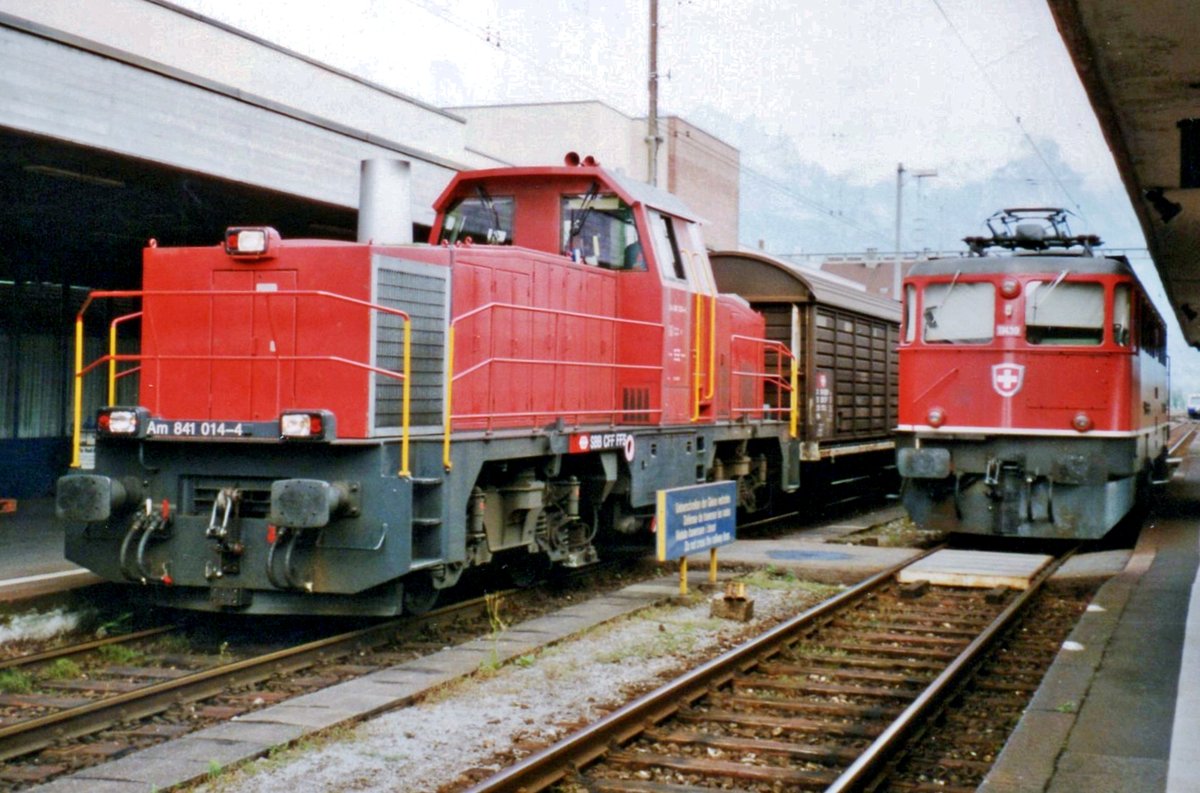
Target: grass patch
672 638
122 623
172 644
774 578
62 669
14 681
118 654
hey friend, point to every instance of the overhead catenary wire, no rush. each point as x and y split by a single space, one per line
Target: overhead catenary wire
1009 109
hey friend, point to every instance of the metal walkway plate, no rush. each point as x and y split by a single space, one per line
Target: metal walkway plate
983 569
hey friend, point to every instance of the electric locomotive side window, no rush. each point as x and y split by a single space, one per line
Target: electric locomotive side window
959 313
910 314
479 220
1122 308
600 230
1066 313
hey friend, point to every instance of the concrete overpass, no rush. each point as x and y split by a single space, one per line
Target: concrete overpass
125 120
1140 66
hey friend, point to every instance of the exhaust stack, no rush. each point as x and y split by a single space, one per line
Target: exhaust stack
385 201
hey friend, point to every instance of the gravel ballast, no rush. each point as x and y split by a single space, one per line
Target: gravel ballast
477 726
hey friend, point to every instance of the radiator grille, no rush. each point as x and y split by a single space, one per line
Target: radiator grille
421 290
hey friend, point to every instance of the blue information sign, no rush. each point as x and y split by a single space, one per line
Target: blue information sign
696 518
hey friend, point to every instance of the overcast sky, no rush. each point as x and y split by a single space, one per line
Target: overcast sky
959 86
983 92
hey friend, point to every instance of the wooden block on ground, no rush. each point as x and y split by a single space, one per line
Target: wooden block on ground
982 569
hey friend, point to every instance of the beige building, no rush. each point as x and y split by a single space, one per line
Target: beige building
699 168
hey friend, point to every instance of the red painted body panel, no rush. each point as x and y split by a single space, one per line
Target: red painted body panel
1056 386
1108 382
209 355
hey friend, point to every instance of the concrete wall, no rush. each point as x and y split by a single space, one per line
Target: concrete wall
703 171
156 83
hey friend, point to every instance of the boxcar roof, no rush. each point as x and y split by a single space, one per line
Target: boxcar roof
761 278
1030 263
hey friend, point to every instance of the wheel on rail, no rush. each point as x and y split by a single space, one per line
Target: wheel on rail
420 595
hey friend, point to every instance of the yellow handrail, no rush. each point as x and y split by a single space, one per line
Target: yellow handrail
695 367
712 347
77 410
112 355
794 400
407 386
446 463
112 364
704 378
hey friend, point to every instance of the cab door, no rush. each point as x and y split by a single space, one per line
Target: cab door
680 353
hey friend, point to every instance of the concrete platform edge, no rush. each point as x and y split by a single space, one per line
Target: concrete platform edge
1030 756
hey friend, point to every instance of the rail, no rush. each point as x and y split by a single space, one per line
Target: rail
112 358
26 736
539 771
950 652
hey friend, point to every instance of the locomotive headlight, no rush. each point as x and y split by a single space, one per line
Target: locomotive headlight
307 425
125 422
936 417
254 242
1010 288
1082 422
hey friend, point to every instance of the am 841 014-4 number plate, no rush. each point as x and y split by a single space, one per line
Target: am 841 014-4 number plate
223 430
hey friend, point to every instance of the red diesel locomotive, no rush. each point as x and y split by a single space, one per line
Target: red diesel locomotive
342 428
1033 387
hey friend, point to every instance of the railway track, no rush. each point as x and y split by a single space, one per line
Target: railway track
109 693
821 702
111 704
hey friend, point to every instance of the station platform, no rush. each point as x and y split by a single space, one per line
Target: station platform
1119 711
31 553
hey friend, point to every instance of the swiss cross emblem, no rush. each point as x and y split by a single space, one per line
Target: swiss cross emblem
1007 378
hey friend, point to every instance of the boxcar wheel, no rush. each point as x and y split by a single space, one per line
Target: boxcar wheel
420 596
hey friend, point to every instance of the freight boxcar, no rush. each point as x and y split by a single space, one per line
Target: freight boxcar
844 343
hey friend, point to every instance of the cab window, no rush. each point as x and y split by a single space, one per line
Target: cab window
1122 308
1064 312
600 230
666 247
695 255
479 220
910 313
959 313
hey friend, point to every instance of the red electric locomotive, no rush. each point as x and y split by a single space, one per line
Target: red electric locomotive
327 427
1033 387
